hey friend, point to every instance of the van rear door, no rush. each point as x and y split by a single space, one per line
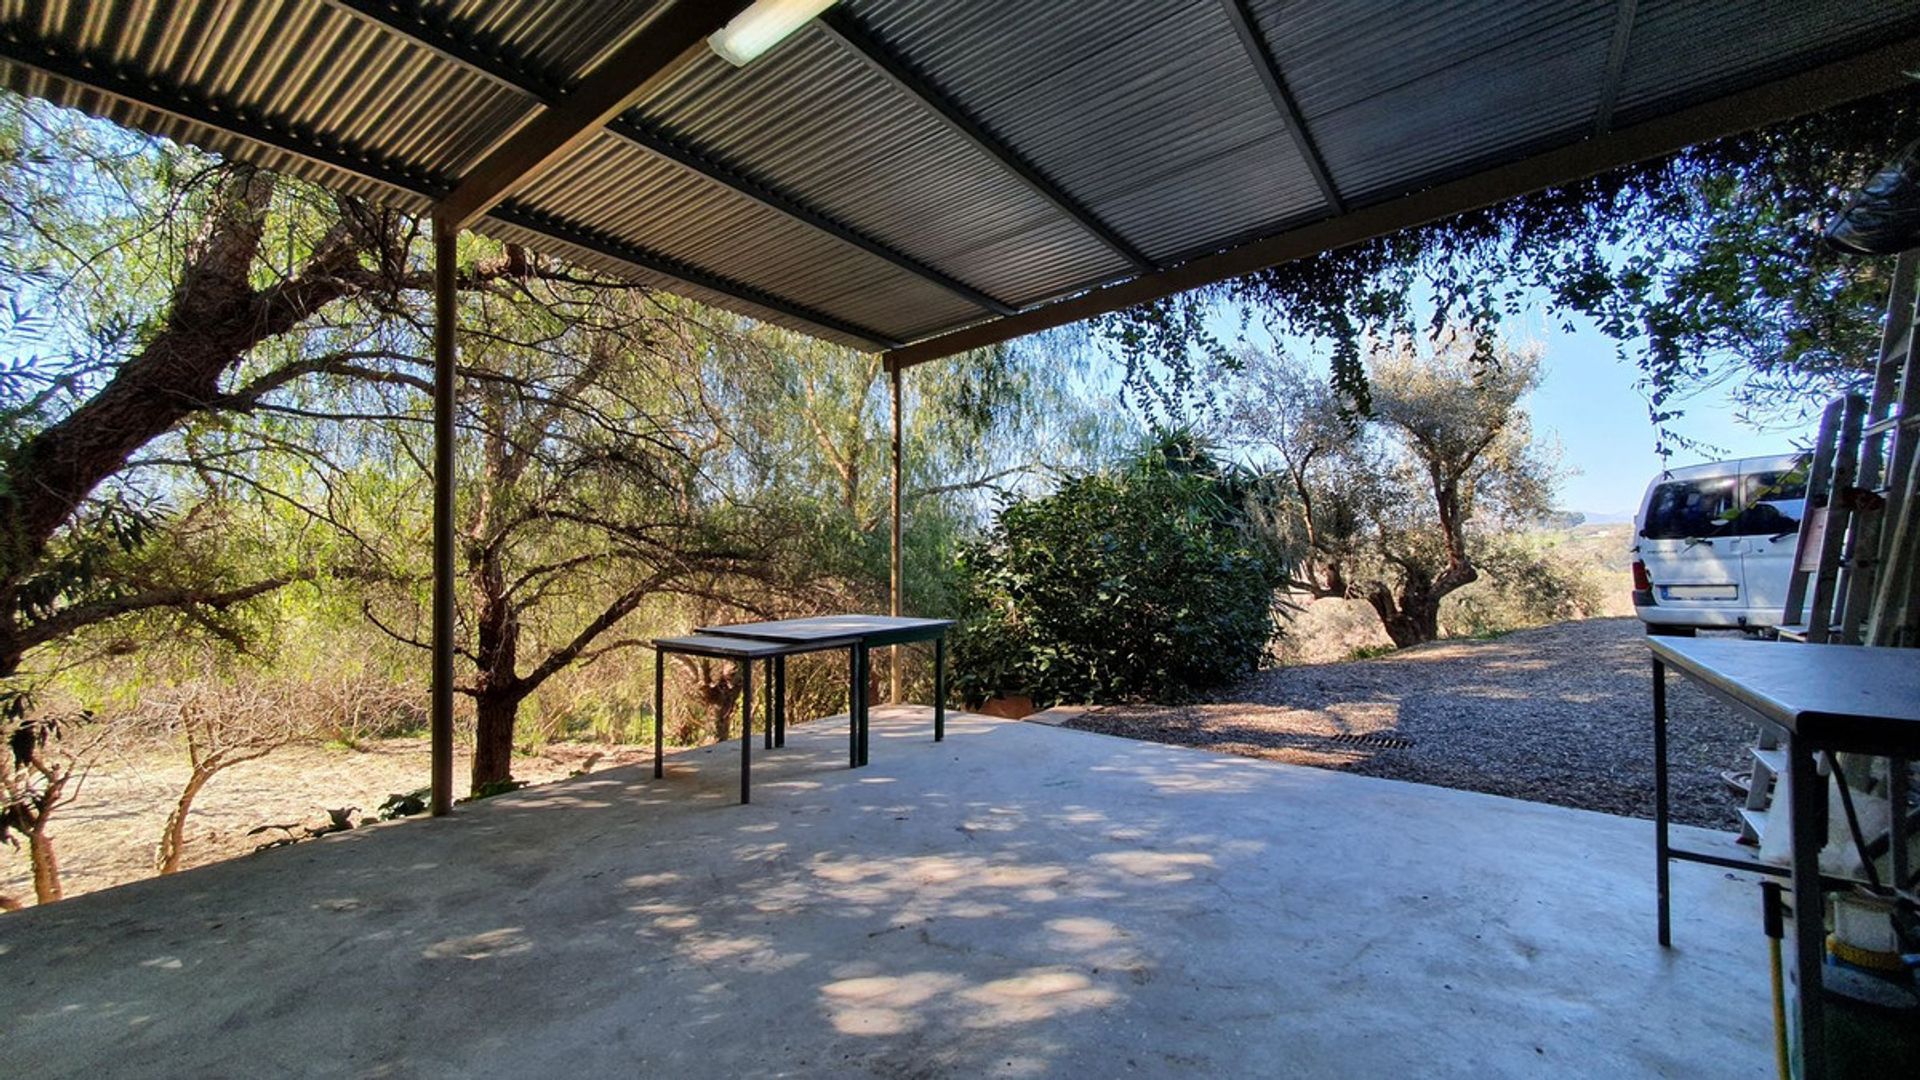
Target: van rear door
1688 542
1773 500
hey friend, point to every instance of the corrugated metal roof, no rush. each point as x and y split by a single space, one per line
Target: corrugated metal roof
948 162
841 138
1684 51
1447 85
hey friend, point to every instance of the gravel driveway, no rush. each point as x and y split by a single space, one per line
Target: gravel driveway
1561 714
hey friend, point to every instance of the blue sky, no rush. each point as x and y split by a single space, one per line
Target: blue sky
1590 404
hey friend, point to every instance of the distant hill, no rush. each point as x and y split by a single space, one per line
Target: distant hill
1593 518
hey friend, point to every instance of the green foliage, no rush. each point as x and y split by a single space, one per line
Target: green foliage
1139 582
404 804
494 787
1370 652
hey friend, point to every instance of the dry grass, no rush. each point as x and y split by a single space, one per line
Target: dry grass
106 837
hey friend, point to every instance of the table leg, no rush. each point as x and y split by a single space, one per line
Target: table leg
746 730
1660 837
939 688
779 701
865 668
1809 834
659 717
1898 782
853 707
766 720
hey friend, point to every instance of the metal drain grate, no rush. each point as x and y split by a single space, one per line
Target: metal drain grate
1384 742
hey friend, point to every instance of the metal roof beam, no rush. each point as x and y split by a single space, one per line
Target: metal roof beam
1269 70
1616 66
496 65
615 248
625 75
1823 87
855 37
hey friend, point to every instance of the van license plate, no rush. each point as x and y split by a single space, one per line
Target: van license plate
1700 592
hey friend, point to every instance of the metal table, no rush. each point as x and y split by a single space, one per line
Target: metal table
1821 698
868 632
745 651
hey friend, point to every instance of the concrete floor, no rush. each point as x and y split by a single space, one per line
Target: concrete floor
1017 901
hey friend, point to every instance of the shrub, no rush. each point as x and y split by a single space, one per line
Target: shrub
1142 582
1525 580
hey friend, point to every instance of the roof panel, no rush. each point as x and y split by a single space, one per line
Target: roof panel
1130 106
305 63
1265 175
653 204
1684 51
557 39
1396 96
848 143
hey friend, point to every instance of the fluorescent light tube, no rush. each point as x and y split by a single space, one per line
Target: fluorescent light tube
763 25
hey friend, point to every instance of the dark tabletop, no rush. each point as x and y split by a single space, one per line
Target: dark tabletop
713 645
1847 696
821 627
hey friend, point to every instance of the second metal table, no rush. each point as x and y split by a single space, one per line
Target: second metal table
868 632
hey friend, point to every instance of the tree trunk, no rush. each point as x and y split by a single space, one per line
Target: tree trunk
46 867
215 316
717 685
1415 622
494 716
173 838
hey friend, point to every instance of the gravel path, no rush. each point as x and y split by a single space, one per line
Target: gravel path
1560 714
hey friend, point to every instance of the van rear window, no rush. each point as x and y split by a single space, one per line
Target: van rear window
1692 509
1775 502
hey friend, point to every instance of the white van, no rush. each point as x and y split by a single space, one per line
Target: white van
1713 544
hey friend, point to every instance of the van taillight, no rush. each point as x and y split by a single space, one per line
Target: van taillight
1641 581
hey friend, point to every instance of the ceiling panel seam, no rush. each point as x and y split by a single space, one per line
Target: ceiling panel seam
856 39
1264 64
1616 67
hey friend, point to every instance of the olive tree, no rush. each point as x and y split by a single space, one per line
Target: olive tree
1381 506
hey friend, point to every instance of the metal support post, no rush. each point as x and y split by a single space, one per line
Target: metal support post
893 657
440 712
939 688
1660 839
766 720
779 701
746 729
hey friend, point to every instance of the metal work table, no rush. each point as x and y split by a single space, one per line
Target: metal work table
745 651
868 632
1821 698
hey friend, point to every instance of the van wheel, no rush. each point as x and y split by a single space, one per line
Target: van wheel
1661 630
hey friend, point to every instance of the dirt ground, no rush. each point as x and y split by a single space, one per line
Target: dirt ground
107 835
1559 714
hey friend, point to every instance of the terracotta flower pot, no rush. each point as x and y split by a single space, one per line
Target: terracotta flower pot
1008 706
